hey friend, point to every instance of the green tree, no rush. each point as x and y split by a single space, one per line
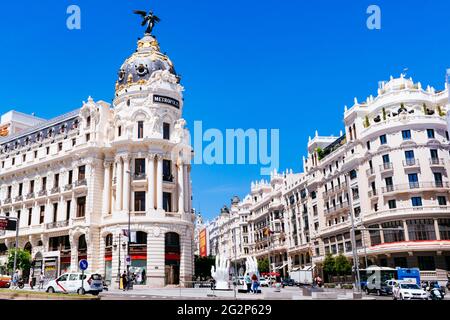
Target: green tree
329 265
342 265
263 265
203 266
23 261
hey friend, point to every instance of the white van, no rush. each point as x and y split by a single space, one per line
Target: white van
71 283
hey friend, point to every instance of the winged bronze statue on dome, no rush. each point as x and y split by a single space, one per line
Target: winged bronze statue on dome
148 19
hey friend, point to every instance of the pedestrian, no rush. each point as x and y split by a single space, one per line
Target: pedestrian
15 279
255 284
248 282
41 281
124 281
139 278
144 277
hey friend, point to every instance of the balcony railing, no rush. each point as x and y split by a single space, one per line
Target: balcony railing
18 198
42 193
410 163
58 224
338 207
416 185
386 166
168 178
370 172
55 190
372 193
68 187
30 195
139 176
7 201
79 183
436 162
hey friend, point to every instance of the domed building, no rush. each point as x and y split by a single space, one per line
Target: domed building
107 183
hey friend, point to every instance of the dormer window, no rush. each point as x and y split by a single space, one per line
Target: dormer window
88 121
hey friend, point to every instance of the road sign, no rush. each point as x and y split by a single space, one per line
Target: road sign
128 260
83 264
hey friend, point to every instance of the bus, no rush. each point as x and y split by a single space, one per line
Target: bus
405 274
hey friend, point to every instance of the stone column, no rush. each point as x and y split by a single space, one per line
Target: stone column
186 188
405 230
107 188
159 182
155 258
151 182
119 184
436 228
126 184
181 184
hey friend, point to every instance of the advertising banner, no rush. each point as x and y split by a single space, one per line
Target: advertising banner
203 243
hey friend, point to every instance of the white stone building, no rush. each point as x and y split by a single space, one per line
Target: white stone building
396 155
77 180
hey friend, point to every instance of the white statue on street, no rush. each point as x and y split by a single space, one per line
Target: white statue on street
221 273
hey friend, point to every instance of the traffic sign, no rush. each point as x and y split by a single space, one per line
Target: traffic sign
83 264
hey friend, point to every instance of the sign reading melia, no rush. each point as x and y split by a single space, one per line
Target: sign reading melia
166 100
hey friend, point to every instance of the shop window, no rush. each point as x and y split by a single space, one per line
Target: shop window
421 229
426 263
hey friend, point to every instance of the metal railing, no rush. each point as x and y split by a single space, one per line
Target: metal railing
18 198
58 224
139 176
437 161
42 193
79 183
7 201
410 162
415 185
30 195
386 166
55 190
68 187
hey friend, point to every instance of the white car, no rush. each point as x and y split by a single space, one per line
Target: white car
72 283
263 282
408 291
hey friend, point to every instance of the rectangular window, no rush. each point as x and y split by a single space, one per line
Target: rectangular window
81 207
55 212
167 171
392 204
60 146
31 186
442 200
368 145
353 174
375 235
167 201
139 201
68 209
81 173
47 150
413 180
56 182
140 129
119 131
444 228
393 235
166 131
438 179
139 166
426 263
389 184
430 133
70 179
41 214
88 137
406 134
434 156
44 183
383 139
18 214
416 201
20 188
30 215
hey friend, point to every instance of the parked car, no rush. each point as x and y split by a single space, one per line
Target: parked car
384 289
73 283
263 282
5 281
408 291
288 283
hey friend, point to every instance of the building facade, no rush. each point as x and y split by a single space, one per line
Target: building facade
389 170
80 181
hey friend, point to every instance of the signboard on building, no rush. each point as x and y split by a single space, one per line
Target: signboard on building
7 224
166 100
203 243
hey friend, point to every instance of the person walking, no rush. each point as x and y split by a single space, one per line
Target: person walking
255 284
248 282
41 281
124 281
15 279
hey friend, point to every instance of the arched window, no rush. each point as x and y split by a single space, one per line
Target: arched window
82 245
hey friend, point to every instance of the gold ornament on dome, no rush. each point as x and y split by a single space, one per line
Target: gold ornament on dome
130 78
117 85
142 81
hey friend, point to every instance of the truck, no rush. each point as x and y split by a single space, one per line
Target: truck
302 276
409 274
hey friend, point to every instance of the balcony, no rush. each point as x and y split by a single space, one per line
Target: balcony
370 172
410 163
56 225
416 186
55 190
387 166
372 193
139 176
18 198
7 201
80 183
42 193
337 208
436 162
29 196
68 187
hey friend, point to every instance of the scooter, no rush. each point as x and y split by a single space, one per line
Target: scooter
435 294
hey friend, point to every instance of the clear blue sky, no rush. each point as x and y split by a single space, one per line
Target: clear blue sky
290 65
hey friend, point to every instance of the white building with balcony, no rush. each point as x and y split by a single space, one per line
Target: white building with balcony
76 181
